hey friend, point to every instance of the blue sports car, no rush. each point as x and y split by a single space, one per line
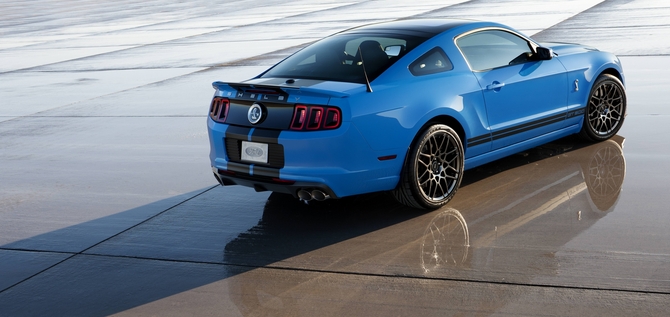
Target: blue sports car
406 107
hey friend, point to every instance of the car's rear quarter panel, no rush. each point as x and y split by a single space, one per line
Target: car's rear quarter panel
402 103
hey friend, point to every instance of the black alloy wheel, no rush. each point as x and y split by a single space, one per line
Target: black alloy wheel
605 110
433 169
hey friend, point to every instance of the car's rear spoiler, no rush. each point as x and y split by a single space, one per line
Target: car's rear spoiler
278 90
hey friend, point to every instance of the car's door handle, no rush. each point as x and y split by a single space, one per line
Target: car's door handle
495 85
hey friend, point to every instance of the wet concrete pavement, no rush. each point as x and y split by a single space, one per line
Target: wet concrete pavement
108 205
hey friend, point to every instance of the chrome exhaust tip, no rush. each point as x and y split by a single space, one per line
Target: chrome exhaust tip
304 195
319 195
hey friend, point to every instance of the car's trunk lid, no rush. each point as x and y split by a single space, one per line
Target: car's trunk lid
278 97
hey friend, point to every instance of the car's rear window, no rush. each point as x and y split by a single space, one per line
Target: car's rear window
338 58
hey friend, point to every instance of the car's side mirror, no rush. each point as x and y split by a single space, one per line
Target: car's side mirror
544 54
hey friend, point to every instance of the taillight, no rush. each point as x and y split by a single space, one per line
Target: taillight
314 118
299 117
333 118
315 115
218 110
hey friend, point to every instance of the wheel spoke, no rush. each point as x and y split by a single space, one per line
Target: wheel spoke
434 147
454 177
436 186
439 191
425 164
425 175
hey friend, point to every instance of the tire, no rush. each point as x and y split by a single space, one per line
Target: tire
433 169
605 109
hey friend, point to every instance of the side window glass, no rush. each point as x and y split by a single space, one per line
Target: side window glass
434 61
494 48
309 60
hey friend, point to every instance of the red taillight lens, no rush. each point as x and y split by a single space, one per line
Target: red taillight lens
299 117
218 110
314 118
333 116
315 115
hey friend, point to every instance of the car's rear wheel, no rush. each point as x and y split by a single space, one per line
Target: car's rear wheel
433 169
605 110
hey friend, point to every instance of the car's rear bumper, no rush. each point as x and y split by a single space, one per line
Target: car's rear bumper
338 162
261 184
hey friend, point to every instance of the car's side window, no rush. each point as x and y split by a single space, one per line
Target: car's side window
434 61
494 48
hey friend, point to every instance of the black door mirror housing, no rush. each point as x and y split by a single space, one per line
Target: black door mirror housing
544 54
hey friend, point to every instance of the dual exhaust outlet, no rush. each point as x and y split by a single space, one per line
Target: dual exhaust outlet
316 194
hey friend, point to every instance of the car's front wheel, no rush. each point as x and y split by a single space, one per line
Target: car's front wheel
433 169
605 110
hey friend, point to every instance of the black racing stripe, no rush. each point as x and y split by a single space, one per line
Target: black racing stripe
238 168
265 136
237 132
536 123
233 134
232 143
478 140
266 171
526 127
233 140
276 150
532 124
576 112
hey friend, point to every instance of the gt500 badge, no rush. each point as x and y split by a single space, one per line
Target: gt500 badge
255 113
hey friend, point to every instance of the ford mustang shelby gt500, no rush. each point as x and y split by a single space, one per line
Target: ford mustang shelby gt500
406 107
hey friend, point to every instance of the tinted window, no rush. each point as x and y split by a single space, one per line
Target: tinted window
434 61
341 57
493 48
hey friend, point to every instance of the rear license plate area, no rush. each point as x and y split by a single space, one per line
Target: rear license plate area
254 152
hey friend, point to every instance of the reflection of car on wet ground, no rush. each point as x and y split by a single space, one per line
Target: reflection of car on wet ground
513 226
406 106
549 206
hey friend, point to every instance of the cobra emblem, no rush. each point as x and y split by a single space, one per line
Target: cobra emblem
255 113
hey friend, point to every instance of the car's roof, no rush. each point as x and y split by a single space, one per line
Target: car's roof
419 27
